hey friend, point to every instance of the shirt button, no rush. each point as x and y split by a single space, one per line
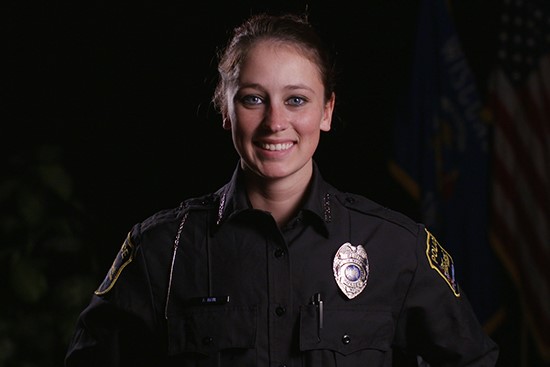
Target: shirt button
207 340
346 339
279 252
280 311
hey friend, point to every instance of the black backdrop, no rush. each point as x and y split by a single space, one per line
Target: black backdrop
124 90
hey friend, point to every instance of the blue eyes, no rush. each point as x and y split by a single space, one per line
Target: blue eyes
254 100
295 101
251 100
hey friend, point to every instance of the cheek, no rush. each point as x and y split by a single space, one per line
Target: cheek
246 120
310 124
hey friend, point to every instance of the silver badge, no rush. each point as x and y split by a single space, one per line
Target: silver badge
351 269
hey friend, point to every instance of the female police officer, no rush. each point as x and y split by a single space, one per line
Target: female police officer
278 267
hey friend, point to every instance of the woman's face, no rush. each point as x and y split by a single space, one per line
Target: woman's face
277 111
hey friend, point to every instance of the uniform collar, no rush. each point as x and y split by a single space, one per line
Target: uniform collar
234 200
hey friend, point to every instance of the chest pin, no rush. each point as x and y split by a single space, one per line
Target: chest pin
351 269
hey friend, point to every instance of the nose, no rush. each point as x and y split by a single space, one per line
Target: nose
275 118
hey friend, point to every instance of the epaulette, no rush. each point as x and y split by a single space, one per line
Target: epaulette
161 217
202 202
367 206
174 214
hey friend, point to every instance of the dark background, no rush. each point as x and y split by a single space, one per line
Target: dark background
116 95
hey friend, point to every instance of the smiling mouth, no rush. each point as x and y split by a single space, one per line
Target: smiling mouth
277 147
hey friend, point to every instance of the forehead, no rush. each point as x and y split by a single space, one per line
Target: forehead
273 44
272 54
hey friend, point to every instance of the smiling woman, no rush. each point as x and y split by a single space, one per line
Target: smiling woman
278 267
276 111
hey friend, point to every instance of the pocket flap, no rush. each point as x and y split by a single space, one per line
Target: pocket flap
345 330
211 329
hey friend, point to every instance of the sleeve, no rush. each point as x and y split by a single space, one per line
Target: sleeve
437 322
119 327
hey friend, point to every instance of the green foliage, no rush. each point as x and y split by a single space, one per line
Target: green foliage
46 262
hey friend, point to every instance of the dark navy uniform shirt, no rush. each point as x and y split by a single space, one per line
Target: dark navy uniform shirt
215 282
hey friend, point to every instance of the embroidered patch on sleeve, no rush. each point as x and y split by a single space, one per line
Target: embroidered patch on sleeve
442 262
123 258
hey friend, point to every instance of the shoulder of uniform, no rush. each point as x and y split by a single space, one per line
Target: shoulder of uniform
175 214
369 207
155 235
201 202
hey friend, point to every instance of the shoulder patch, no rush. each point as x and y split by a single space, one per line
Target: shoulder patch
123 258
441 261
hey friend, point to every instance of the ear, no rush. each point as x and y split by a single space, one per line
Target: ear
327 113
226 123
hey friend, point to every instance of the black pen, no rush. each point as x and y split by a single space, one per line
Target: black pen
320 308
318 302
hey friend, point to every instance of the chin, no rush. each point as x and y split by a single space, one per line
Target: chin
274 172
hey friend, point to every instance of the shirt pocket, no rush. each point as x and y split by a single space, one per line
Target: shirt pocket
214 333
349 336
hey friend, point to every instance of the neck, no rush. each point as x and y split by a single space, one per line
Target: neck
281 197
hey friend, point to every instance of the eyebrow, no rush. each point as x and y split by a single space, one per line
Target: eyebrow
289 87
299 86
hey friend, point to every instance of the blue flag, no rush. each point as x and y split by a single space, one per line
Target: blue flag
441 154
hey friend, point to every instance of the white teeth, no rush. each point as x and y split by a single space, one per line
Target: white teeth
277 146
